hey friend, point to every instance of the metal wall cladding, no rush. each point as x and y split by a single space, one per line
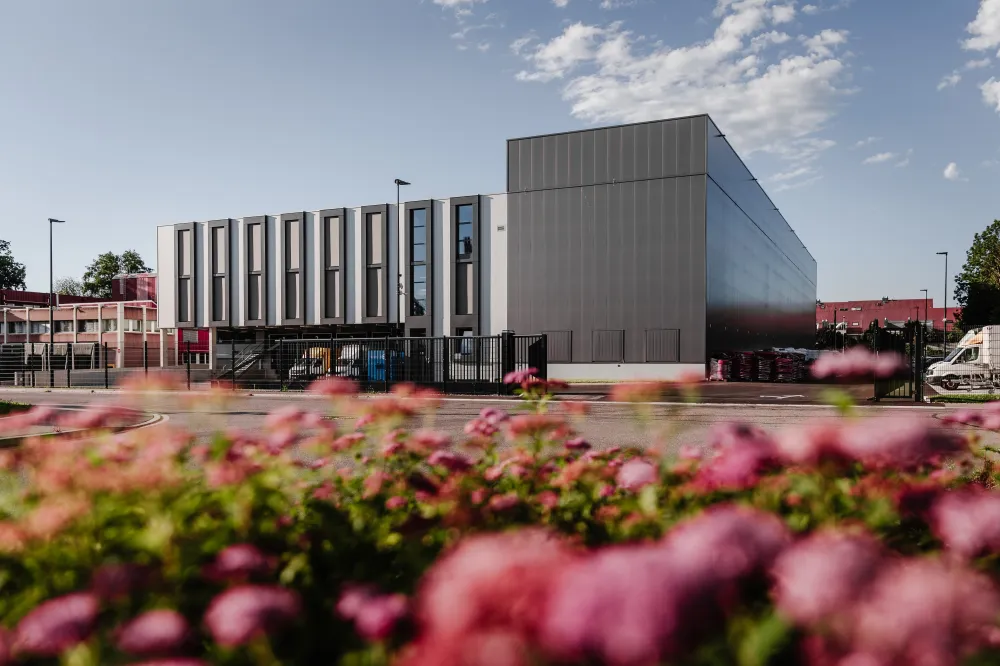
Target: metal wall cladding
628 256
761 280
660 149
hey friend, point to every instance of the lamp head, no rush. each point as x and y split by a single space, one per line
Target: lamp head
399 181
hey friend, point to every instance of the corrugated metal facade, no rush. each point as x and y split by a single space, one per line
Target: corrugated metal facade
606 240
761 279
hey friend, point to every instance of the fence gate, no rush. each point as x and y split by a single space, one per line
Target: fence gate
910 344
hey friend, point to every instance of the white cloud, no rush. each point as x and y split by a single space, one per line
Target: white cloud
560 3
793 174
783 187
949 81
822 43
783 14
810 9
520 43
867 141
977 64
456 4
952 172
991 93
985 28
906 159
879 158
617 4
773 104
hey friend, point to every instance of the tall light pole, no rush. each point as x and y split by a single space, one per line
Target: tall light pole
400 301
944 320
925 309
52 297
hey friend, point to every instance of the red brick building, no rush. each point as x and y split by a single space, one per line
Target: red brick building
857 316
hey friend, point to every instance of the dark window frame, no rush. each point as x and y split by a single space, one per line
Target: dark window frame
325 266
386 281
301 271
225 274
191 228
426 320
249 274
472 320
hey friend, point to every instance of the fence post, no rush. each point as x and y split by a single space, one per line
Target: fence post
69 364
145 357
918 360
232 353
281 365
543 365
107 384
188 363
506 358
446 365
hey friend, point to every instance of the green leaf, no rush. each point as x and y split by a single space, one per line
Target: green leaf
764 639
648 501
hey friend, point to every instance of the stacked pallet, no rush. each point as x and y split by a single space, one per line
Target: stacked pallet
766 362
789 368
745 367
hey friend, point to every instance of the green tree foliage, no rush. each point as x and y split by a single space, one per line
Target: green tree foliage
98 277
68 286
977 287
11 272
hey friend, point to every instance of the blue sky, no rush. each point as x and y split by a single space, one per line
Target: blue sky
873 124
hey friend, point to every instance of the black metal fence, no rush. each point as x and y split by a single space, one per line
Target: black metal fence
909 343
465 365
86 364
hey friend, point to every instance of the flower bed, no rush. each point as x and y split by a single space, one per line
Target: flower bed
7 407
380 540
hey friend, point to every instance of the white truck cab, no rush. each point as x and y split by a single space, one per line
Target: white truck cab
974 362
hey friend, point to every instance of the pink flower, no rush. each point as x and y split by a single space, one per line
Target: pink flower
970 417
742 452
688 452
490 582
335 387
548 499
535 425
378 616
858 364
968 523
57 625
115 581
454 462
430 439
823 574
493 415
577 444
395 502
238 562
289 417
637 392
504 502
922 611
810 445
240 614
519 376
154 632
392 448
635 474
905 442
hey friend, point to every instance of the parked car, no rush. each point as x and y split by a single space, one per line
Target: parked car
349 362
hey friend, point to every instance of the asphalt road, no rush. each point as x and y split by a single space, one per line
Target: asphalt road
609 424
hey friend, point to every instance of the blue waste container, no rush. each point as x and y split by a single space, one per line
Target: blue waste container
377 362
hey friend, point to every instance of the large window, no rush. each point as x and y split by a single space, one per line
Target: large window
464 236
185 273
64 326
16 327
39 327
332 273
87 326
374 265
293 269
464 278
255 271
418 262
220 244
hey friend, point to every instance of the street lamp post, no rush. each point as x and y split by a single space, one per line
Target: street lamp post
52 329
400 301
925 308
944 319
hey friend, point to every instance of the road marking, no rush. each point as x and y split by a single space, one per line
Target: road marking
782 397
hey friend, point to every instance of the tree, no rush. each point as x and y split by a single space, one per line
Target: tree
977 287
99 275
68 286
11 272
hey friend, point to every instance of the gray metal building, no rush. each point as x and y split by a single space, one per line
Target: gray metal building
649 244
639 250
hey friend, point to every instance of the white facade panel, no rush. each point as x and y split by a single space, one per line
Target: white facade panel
493 287
237 266
445 259
202 271
355 264
273 266
166 297
393 272
569 372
